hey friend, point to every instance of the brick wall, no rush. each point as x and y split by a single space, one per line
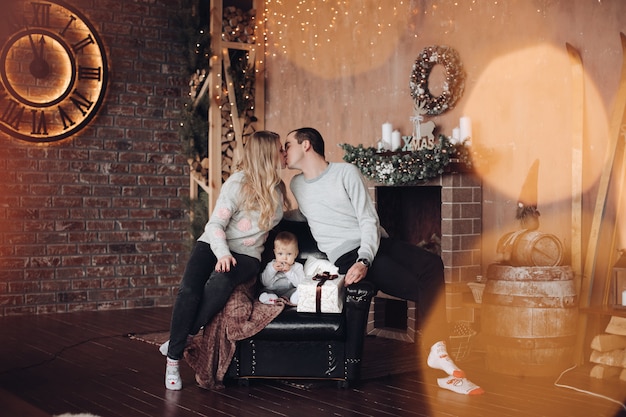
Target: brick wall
99 221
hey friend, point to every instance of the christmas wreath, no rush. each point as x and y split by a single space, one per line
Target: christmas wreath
453 86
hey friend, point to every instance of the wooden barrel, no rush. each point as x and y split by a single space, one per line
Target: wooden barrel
530 248
529 319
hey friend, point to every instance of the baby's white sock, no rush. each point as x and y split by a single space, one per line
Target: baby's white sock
268 298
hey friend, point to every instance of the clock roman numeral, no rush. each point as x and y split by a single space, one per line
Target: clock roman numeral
12 114
39 126
65 118
81 44
72 19
41 14
81 102
89 73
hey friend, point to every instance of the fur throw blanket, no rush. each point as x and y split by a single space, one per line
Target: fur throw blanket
243 316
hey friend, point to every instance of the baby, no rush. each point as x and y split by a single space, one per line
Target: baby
282 275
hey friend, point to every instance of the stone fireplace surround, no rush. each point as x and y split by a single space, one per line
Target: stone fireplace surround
449 206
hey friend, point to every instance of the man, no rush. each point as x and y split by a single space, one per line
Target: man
334 200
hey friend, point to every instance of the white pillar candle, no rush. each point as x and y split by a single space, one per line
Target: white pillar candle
387 135
624 298
465 128
396 141
456 136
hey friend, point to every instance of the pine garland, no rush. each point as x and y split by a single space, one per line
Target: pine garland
193 26
404 168
244 78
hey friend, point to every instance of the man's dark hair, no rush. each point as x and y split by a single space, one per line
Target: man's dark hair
313 136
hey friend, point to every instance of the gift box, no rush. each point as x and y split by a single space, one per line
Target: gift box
323 293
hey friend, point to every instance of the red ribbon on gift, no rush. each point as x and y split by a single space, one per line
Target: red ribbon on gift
322 278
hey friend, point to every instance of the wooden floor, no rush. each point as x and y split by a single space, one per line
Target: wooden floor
86 362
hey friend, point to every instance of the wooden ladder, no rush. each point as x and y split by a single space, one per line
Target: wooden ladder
602 252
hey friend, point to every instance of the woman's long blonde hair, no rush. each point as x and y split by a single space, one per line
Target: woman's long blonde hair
263 190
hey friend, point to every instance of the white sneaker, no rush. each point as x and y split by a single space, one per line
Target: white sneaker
163 348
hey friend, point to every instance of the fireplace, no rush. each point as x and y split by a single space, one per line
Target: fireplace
412 214
443 215
445 212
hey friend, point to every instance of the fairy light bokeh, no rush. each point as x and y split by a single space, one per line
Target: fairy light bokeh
324 36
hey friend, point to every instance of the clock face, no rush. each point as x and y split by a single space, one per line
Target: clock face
53 71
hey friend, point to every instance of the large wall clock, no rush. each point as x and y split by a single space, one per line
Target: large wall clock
53 71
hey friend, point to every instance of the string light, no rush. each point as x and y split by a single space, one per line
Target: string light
329 33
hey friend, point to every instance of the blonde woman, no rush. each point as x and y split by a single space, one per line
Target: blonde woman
228 253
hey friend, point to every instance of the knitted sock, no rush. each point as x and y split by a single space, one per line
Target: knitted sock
172 376
438 358
460 385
